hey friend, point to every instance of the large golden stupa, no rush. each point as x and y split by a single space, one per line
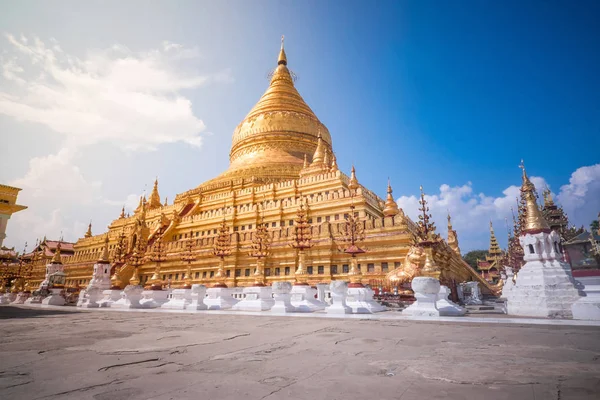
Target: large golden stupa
281 157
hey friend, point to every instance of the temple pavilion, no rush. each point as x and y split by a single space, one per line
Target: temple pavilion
281 155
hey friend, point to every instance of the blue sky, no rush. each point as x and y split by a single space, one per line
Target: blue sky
428 93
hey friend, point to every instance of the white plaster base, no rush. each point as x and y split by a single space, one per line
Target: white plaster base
154 298
447 307
360 300
89 298
180 299
34 299
282 297
258 298
198 294
55 299
7 298
543 289
426 291
219 299
21 298
109 297
130 297
303 299
588 306
339 292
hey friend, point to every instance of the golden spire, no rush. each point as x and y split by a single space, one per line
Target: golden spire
282 60
122 213
305 161
56 258
166 201
89 231
282 116
140 205
391 208
319 156
334 166
534 221
548 201
494 250
452 236
353 184
104 255
154 200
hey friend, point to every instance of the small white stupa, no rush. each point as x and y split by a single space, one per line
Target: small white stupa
544 285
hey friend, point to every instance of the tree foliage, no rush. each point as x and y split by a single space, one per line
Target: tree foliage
474 255
594 226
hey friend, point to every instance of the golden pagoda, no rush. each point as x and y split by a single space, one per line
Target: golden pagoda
494 260
281 160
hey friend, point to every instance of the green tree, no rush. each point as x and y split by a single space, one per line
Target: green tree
474 255
594 226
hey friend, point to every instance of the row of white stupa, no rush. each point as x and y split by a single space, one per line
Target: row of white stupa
281 297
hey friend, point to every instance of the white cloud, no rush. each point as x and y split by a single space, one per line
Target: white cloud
581 197
130 99
471 212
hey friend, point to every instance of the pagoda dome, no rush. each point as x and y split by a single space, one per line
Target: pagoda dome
273 139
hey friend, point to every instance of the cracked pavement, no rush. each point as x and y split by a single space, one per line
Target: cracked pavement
55 354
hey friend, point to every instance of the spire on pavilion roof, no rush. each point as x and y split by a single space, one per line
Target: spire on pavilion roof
353 184
391 208
319 156
89 231
122 215
494 250
154 200
282 59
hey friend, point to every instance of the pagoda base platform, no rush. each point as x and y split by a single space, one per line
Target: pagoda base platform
257 298
446 307
55 298
543 289
426 291
109 297
154 298
180 300
360 300
303 299
219 298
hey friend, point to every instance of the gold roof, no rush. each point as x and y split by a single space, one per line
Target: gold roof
277 133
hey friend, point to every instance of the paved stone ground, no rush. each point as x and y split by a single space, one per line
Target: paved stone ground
55 354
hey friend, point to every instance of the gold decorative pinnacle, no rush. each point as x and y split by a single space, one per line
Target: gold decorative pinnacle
88 233
104 255
391 208
56 258
534 220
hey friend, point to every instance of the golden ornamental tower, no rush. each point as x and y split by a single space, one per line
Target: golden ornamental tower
391 208
271 142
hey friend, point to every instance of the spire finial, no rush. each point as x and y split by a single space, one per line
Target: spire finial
353 184
391 208
282 57
89 230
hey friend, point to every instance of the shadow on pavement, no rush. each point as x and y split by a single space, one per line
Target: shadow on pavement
10 312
